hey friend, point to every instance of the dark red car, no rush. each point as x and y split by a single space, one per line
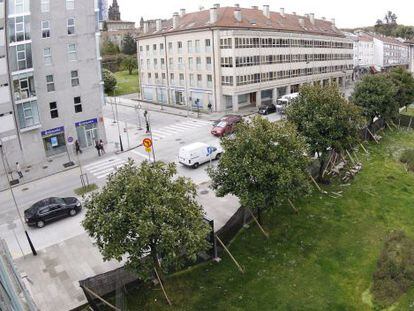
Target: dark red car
226 126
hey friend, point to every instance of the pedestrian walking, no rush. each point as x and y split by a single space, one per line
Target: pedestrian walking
77 147
101 146
210 107
98 147
146 121
19 170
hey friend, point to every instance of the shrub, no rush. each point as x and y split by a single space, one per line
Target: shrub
109 81
395 269
407 157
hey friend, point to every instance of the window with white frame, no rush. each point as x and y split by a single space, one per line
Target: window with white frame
74 78
199 80
190 46
50 83
191 79
198 63
45 29
54 113
28 114
208 63
209 80
47 56
70 4
226 80
72 52
71 26
44 6
190 63
197 46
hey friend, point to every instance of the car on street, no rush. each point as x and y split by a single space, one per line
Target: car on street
51 209
226 126
195 154
267 109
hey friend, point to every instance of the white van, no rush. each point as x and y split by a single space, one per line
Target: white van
195 154
284 101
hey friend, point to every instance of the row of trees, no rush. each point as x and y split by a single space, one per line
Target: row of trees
388 26
147 212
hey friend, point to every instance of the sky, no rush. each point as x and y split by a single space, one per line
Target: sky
347 13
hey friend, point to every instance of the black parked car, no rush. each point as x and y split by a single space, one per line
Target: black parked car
51 209
266 109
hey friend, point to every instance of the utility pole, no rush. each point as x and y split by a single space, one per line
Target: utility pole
117 117
149 131
15 203
138 110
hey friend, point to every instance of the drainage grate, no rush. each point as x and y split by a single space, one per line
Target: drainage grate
178 139
45 167
25 189
204 192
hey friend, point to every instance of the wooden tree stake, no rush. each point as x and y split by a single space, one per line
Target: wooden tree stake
349 155
100 298
329 162
231 256
366 151
316 184
409 124
162 287
258 224
372 135
293 206
386 123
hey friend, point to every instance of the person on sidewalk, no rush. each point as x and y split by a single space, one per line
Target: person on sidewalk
101 146
19 170
98 147
77 147
210 107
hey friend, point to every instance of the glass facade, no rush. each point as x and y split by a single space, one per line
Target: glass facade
19 28
28 114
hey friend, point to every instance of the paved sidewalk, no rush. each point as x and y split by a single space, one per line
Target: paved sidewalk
54 275
132 100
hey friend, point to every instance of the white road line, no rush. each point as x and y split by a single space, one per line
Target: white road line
97 163
177 128
185 126
106 168
145 156
164 131
199 121
158 134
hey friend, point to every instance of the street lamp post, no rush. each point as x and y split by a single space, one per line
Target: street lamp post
15 204
117 117
138 110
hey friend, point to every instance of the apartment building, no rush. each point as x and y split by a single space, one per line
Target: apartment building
51 92
389 52
232 57
411 55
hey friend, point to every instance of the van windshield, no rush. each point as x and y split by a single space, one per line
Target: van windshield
282 101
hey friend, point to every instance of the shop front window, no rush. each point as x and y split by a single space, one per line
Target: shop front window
54 144
87 134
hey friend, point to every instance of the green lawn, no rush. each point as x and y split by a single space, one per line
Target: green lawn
321 259
127 83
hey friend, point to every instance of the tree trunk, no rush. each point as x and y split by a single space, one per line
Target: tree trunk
130 71
322 160
259 215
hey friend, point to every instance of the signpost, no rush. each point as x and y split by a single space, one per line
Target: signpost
147 143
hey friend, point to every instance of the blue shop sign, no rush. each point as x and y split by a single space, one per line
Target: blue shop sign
86 122
56 130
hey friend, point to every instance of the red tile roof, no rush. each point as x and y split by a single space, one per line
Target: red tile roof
389 40
251 19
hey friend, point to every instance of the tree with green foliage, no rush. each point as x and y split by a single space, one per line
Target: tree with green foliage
148 217
388 25
376 95
326 120
109 48
110 81
129 63
404 82
264 165
405 32
129 45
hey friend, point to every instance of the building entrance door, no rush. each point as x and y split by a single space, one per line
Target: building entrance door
90 137
178 97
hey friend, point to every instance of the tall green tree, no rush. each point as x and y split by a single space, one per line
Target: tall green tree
147 212
109 48
129 45
388 25
264 164
376 95
404 82
110 81
129 63
326 120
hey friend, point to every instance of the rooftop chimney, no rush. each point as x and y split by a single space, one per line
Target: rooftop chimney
217 5
145 27
294 13
237 5
307 15
158 25
323 18
213 15
182 12
282 12
301 22
237 14
312 18
333 21
255 7
175 20
266 11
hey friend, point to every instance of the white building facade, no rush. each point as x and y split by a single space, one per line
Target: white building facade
411 56
228 58
389 53
51 92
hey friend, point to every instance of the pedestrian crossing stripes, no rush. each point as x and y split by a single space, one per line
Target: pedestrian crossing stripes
101 169
176 128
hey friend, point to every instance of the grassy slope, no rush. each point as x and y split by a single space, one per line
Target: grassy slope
127 84
321 259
